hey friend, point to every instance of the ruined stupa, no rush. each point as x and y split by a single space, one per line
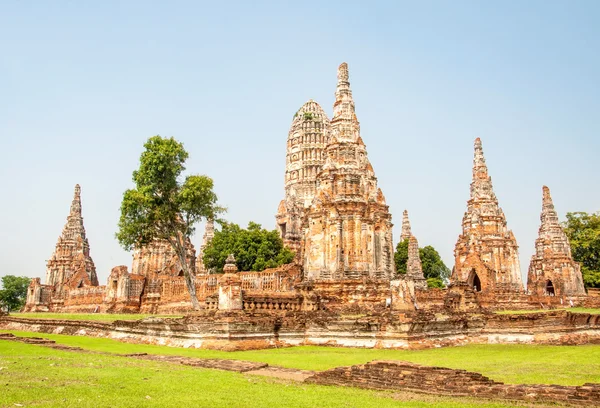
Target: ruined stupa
305 156
71 263
347 228
552 271
414 268
486 253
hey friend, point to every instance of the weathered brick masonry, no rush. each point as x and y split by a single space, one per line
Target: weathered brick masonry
400 375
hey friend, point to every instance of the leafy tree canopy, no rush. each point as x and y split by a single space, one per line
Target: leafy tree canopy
435 283
163 205
254 248
14 292
583 231
433 266
401 257
434 269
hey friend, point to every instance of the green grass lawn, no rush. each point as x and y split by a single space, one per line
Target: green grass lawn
33 375
515 364
571 309
102 317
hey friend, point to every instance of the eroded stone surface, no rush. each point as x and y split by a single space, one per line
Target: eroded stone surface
160 259
305 156
243 330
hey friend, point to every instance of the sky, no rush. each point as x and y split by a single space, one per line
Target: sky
84 84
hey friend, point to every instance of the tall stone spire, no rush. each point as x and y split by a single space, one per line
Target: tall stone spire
414 269
406 232
550 227
344 124
481 186
305 156
347 230
72 253
76 204
486 253
552 270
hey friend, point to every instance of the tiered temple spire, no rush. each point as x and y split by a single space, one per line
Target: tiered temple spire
72 253
305 156
344 124
414 268
486 253
347 230
406 231
552 270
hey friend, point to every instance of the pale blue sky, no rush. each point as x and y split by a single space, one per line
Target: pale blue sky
84 84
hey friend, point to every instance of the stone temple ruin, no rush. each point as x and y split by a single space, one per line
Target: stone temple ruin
335 217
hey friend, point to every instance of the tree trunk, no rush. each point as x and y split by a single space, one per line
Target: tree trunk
181 251
191 286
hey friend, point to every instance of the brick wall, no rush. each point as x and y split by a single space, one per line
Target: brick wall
399 375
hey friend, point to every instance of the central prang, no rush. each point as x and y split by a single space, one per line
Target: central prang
333 213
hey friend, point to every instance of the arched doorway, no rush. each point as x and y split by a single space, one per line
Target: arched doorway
474 281
549 288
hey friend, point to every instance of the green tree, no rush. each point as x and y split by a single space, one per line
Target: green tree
163 205
435 283
254 248
583 231
433 266
434 269
401 257
14 292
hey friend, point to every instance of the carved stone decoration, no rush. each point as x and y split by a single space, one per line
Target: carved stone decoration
552 271
486 253
307 138
71 259
230 266
348 228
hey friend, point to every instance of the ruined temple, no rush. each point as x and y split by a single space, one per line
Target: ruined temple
486 253
71 263
305 156
336 219
552 271
347 228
